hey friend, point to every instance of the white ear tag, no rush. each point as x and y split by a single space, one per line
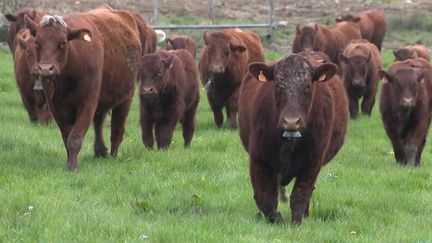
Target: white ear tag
87 38
262 77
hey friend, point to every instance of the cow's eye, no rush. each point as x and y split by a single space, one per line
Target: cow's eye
159 73
62 45
37 45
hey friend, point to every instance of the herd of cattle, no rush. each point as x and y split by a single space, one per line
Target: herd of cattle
292 113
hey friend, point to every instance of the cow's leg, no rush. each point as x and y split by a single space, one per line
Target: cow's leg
353 106
118 121
368 100
302 192
188 124
75 138
99 147
265 187
217 111
147 130
414 142
419 153
31 108
164 132
231 110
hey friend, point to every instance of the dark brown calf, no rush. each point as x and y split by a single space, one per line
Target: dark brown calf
411 52
372 25
293 120
17 23
406 107
361 61
87 71
31 95
168 94
176 42
223 64
330 40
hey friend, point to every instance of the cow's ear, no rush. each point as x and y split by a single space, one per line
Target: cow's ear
316 28
383 74
169 42
339 19
298 29
395 52
324 72
343 58
30 25
356 19
206 37
238 48
10 18
168 62
33 14
261 71
75 34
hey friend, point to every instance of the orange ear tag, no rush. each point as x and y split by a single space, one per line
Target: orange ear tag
262 77
87 38
322 77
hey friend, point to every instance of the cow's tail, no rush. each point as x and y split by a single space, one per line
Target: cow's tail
161 36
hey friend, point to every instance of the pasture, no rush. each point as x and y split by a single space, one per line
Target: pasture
200 194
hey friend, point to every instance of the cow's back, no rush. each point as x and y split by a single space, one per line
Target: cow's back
118 34
252 42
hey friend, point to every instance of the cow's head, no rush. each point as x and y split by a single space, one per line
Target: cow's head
403 54
154 75
52 40
294 79
220 46
27 42
355 69
305 38
349 18
404 85
176 42
19 20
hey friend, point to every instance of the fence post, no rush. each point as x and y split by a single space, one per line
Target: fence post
155 4
212 11
272 21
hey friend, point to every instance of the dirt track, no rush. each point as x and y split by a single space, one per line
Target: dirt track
292 11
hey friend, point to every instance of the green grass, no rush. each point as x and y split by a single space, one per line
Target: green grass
201 194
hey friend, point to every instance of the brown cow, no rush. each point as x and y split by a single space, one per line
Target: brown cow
411 52
24 61
330 40
168 94
176 42
147 35
223 64
406 106
372 25
293 119
87 71
361 61
17 22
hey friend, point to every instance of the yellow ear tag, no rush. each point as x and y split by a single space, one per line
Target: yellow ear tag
322 78
87 37
262 77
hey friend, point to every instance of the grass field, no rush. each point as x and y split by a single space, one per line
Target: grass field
201 194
